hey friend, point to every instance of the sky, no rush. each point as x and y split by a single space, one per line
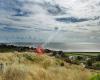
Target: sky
66 21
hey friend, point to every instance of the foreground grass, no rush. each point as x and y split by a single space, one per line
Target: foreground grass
28 66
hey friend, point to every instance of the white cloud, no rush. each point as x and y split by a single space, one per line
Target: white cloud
39 17
81 8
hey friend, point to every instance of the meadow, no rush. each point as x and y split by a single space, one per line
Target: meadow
29 66
82 53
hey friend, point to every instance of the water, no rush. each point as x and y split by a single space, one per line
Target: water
75 47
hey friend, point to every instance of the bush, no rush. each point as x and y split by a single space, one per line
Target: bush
79 57
97 65
89 62
98 58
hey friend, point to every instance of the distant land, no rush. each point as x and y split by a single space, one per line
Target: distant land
67 47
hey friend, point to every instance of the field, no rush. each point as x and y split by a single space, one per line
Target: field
82 53
29 66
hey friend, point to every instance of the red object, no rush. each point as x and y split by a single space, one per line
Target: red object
39 50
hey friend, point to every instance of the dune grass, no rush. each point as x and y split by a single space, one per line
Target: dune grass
28 66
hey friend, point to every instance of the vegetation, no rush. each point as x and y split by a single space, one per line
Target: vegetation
21 63
82 53
96 77
89 62
28 66
98 57
11 48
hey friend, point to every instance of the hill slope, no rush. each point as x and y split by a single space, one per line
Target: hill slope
28 66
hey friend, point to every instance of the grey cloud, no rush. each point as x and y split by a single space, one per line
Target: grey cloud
40 17
71 20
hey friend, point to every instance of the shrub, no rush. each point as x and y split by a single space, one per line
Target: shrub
98 58
79 58
96 66
89 62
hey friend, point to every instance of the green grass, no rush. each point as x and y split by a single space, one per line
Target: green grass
82 53
96 77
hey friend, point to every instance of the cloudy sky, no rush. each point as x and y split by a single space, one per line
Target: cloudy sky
68 21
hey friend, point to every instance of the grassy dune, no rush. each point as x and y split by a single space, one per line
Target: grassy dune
28 66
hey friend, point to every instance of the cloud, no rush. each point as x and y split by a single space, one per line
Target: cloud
71 19
81 8
40 17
